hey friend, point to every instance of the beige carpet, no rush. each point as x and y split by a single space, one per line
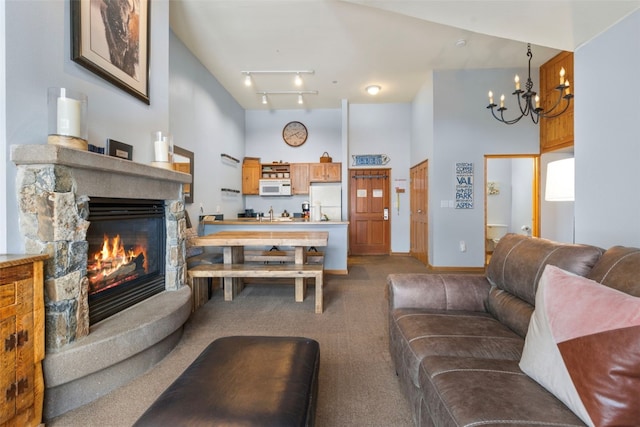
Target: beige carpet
357 383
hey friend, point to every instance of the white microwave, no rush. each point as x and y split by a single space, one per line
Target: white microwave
275 187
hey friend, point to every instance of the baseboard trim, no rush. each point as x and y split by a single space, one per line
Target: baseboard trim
470 270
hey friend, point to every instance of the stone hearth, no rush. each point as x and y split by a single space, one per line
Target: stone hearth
54 185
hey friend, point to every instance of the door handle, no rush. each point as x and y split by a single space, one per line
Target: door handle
386 214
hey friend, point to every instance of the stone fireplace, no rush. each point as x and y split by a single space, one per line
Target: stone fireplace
55 186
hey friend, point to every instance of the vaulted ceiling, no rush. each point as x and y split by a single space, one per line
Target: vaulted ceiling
351 44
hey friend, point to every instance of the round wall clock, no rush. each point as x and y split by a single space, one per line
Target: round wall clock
294 134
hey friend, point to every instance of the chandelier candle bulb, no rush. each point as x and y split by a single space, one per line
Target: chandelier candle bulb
567 90
502 101
562 76
490 97
537 102
517 80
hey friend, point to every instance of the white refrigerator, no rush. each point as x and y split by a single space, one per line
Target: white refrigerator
326 200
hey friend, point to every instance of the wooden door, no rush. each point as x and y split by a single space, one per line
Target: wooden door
369 227
419 225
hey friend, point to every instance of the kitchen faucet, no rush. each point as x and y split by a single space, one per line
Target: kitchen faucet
271 213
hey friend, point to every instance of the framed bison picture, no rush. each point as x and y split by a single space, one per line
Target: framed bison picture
111 39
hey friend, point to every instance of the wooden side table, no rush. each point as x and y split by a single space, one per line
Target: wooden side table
22 339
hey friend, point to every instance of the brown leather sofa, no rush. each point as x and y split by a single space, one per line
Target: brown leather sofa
456 339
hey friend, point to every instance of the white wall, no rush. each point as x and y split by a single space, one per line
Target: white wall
386 129
422 123
3 139
522 194
607 137
464 131
499 205
206 120
38 57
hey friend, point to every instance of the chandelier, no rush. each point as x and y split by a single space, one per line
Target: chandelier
529 101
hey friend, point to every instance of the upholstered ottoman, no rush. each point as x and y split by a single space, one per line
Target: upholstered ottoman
243 380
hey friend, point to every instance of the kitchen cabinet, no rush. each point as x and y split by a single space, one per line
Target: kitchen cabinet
300 178
557 132
325 172
251 172
275 170
22 328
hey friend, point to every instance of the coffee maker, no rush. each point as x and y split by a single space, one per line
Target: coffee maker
305 209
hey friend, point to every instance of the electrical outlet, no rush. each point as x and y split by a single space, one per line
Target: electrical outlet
463 246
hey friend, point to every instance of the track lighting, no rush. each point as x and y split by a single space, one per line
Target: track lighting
247 80
298 77
264 94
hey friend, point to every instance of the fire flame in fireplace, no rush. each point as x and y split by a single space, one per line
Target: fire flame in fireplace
114 264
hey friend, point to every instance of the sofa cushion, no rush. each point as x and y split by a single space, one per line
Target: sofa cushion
518 262
515 268
618 269
420 333
462 391
583 345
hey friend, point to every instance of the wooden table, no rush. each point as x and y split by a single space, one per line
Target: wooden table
234 268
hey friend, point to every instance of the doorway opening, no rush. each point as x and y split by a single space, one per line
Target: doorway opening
511 203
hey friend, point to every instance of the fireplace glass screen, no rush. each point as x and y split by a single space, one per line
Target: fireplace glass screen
126 254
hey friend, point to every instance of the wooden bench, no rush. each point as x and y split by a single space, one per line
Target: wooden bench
251 255
296 271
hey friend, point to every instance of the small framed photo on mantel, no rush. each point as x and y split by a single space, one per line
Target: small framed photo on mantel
111 39
119 149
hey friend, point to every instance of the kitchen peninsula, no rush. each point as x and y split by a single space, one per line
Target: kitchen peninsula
335 254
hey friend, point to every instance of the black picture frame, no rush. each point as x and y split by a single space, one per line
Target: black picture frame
119 149
123 60
183 161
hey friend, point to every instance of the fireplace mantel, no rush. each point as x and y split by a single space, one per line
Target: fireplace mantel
102 176
54 187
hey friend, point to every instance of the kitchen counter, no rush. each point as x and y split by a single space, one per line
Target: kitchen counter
276 221
335 254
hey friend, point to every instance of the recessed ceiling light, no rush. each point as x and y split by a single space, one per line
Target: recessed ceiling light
461 43
373 89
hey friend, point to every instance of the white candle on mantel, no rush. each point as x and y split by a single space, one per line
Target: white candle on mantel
161 149
68 115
